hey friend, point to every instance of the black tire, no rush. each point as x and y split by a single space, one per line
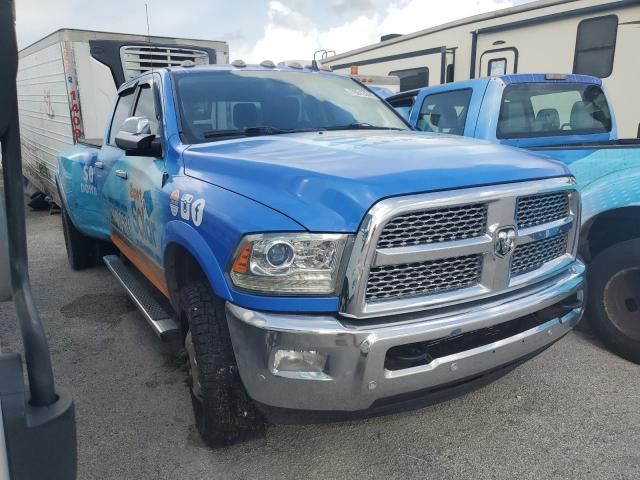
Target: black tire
82 251
223 411
613 303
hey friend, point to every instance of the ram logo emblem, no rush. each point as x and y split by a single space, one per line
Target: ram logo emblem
505 242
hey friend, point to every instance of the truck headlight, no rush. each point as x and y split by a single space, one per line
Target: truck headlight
295 263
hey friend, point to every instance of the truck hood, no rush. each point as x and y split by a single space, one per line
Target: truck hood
326 181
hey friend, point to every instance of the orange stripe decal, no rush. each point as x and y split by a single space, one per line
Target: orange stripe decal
150 269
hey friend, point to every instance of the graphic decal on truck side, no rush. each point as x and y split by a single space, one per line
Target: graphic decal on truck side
197 211
174 201
185 206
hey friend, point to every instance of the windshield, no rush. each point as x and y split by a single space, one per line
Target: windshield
550 109
231 103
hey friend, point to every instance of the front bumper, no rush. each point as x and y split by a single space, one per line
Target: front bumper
355 375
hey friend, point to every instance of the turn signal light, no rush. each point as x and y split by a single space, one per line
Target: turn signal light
241 265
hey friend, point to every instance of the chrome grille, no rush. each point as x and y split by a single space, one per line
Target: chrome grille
538 209
430 226
534 255
440 249
141 58
423 278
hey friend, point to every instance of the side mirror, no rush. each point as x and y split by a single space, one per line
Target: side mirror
135 138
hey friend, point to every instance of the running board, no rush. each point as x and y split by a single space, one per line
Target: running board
144 295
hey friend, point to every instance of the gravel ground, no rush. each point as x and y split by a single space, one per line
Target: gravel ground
572 412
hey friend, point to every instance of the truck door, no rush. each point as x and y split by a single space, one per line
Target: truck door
97 170
503 61
134 189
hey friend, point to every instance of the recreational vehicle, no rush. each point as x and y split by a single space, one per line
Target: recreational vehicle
591 37
67 81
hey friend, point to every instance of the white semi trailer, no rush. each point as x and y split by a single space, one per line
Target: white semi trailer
67 82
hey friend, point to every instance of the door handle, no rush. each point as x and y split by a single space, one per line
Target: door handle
99 164
122 174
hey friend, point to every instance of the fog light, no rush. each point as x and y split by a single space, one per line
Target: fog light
303 365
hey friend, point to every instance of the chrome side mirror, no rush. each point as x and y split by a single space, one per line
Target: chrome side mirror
136 126
135 138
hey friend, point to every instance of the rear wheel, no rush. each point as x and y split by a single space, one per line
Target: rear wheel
82 251
224 413
614 298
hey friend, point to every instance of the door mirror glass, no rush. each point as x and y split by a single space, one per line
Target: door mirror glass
135 138
136 126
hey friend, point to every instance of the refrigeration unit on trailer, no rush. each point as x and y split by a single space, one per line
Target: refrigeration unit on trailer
590 37
67 81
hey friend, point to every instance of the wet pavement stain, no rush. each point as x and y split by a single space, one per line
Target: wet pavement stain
102 307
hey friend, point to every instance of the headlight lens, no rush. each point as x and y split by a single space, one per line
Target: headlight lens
296 263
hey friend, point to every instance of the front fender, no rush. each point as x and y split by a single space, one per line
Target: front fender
189 238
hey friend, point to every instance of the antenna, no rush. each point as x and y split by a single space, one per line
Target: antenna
146 10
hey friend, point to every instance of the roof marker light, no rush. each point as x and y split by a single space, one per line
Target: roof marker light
267 64
239 63
188 64
294 65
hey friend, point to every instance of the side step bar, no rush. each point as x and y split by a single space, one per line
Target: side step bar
143 295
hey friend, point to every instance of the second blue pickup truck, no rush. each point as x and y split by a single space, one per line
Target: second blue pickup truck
565 117
314 256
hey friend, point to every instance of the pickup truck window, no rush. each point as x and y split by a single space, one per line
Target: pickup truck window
551 109
218 104
123 110
403 105
146 107
445 112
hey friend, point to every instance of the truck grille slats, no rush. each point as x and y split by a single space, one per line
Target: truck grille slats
457 246
539 209
423 278
431 226
535 254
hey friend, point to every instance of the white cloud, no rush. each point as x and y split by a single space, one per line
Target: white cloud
420 14
290 35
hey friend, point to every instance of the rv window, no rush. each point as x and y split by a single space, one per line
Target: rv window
123 110
412 78
497 66
595 46
445 112
551 109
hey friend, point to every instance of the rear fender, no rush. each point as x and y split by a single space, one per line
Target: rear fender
611 192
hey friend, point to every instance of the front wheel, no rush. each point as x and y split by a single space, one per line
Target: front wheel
223 411
614 298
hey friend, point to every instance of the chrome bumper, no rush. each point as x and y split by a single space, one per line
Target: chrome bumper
355 374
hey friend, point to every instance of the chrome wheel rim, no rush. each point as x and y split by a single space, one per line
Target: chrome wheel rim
622 301
194 371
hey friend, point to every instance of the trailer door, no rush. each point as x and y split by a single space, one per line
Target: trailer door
502 61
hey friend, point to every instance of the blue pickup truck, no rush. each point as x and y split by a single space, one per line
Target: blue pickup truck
315 257
568 118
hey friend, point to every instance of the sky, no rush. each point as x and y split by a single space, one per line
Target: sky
255 29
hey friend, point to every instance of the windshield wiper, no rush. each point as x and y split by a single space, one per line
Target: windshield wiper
360 126
254 132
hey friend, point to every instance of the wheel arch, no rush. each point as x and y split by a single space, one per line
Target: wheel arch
187 256
608 228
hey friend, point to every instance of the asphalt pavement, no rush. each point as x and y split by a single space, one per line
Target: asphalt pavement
570 413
